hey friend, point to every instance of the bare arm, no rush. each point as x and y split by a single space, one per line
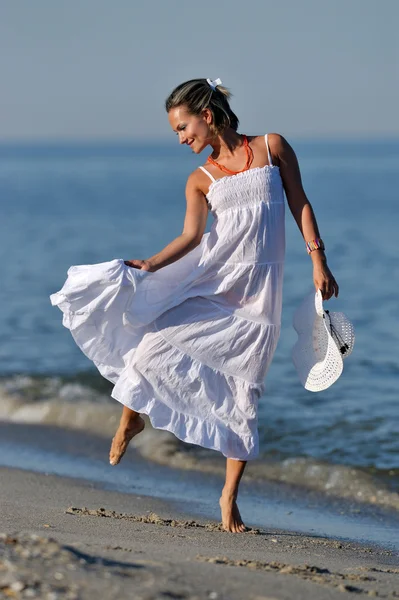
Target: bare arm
302 212
193 230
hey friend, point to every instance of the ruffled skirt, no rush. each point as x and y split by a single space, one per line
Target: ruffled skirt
173 349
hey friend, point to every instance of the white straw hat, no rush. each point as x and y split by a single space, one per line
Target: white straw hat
324 340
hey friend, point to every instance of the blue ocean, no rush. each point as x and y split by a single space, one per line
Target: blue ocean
69 204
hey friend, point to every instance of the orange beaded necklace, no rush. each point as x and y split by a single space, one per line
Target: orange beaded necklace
248 163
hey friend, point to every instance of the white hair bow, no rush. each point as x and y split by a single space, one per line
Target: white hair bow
214 83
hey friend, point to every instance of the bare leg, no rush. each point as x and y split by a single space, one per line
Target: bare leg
130 425
231 517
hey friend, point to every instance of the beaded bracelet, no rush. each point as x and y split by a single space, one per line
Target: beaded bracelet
315 245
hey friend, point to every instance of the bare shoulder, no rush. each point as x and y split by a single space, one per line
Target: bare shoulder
278 144
197 187
198 181
284 156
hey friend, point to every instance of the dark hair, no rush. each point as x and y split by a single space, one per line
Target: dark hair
197 94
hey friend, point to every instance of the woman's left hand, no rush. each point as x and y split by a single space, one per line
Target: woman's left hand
324 280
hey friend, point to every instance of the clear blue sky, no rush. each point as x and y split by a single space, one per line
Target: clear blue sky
101 69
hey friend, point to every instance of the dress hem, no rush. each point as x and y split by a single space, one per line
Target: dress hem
123 392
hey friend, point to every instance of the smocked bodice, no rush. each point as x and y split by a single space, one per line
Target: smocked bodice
246 189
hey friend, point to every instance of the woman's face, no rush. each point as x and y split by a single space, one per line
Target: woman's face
192 130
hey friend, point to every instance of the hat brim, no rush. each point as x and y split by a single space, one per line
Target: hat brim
316 356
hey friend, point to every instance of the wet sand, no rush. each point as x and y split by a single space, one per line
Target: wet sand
70 538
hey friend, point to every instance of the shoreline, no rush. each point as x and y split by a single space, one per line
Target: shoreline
74 527
129 545
82 456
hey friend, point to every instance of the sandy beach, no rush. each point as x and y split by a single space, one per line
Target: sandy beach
74 537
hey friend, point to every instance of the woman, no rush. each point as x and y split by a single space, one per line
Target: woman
188 334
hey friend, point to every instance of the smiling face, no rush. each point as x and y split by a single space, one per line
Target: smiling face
192 130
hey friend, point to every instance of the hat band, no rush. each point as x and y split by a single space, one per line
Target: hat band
341 344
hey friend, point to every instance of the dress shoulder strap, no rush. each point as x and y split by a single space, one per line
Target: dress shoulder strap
269 156
211 177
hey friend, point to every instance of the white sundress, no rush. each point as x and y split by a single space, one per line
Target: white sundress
190 344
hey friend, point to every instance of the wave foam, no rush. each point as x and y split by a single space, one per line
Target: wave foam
78 405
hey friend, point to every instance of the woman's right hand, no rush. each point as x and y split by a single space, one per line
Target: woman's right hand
143 265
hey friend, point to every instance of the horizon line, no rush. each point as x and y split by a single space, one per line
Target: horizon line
89 140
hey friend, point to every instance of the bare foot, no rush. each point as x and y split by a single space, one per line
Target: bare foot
231 518
122 438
